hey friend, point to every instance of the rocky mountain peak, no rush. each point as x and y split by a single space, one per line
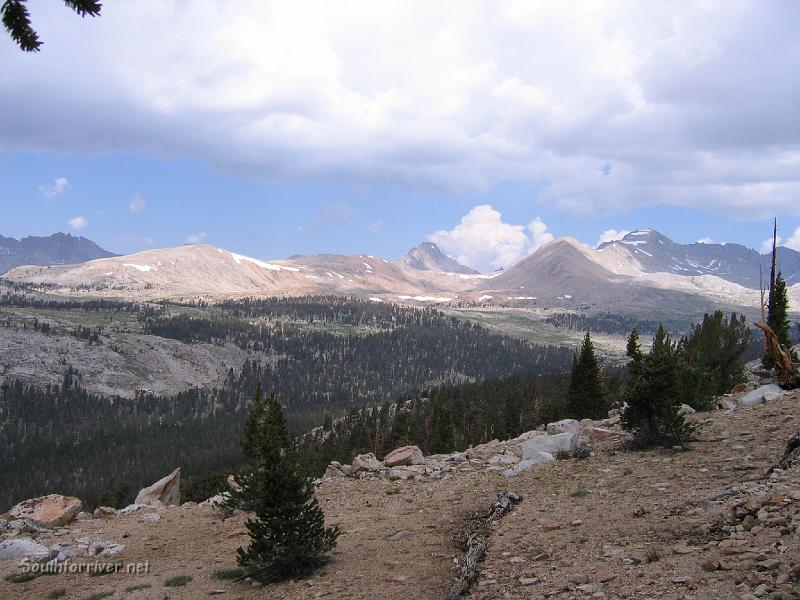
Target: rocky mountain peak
429 257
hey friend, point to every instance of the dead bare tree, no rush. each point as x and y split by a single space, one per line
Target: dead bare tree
788 371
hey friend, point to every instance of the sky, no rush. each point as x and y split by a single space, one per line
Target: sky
281 128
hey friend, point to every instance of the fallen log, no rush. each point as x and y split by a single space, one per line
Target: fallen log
788 372
476 543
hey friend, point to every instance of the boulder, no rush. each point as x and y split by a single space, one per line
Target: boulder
564 426
366 462
503 459
535 459
104 511
51 511
233 485
406 455
685 409
334 471
740 388
551 444
763 394
23 548
599 434
132 508
166 491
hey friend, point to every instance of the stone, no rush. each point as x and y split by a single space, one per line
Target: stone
23 548
104 548
405 455
83 516
740 388
53 510
685 409
333 472
761 395
366 462
235 487
166 491
522 466
131 508
550 444
401 535
580 579
151 518
503 459
600 434
563 426
103 512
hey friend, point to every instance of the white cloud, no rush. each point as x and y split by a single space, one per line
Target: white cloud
196 238
58 187
483 241
766 245
794 241
137 204
78 222
375 226
611 105
705 240
610 235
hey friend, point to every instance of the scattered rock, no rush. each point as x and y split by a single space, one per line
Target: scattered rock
151 518
564 426
23 548
406 455
761 395
535 459
550 444
685 409
366 462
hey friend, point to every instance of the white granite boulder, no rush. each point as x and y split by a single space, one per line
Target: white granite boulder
765 393
551 444
406 455
537 458
23 548
166 491
564 426
366 462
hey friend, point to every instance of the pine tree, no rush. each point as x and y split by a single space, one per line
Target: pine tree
778 318
634 350
288 537
652 396
17 20
586 397
443 434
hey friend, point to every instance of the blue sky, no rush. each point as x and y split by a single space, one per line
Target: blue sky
185 199
286 127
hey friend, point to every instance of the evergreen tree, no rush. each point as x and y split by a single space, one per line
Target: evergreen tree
586 398
17 20
634 350
778 318
652 396
443 434
288 537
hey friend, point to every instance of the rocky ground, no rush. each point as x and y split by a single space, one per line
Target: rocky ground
705 523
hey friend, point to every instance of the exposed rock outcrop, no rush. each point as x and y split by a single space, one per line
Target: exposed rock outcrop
52 510
166 491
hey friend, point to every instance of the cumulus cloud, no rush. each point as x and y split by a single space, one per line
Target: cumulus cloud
78 223
610 235
137 204
196 238
794 241
56 188
483 241
766 245
672 103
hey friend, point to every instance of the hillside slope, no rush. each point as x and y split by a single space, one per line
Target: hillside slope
583 528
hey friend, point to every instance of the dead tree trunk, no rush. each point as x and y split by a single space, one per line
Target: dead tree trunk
788 372
476 544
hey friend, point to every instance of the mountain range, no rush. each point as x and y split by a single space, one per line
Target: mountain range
643 269
56 249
